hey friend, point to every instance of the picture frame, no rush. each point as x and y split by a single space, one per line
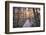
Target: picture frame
12 7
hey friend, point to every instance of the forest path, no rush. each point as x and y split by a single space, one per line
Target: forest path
27 23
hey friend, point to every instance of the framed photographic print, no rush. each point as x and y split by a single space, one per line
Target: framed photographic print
24 17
